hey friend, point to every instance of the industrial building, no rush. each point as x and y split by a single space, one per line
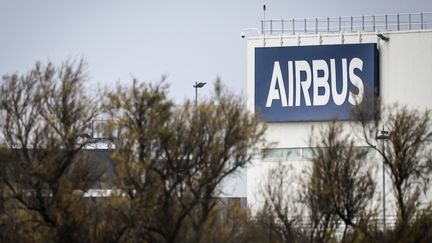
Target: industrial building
305 72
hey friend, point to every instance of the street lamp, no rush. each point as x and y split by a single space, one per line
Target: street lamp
384 135
196 86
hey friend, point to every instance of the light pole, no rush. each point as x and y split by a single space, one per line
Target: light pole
196 86
384 135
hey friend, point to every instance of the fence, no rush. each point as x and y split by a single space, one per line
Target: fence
368 23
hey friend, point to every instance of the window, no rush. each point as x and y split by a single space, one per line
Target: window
295 154
281 154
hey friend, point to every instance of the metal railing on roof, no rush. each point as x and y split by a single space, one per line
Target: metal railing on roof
363 23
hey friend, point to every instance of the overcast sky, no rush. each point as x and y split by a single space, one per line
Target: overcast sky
186 40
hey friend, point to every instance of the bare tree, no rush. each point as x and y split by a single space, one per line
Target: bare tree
406 154
46 111
173 159
282 210
339 186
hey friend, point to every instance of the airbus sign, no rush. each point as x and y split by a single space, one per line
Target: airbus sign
314 83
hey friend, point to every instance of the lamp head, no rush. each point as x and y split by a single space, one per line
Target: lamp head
199 85
382 37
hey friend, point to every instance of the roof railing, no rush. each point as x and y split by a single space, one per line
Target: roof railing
363 23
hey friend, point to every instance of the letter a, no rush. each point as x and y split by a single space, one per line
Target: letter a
275 94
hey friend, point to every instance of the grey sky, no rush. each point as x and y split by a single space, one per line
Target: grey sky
186 40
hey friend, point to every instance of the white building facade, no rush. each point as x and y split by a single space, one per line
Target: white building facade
404 76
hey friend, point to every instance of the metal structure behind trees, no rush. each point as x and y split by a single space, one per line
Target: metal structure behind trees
370 23
100 135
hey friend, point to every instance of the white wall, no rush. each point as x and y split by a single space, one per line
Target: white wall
405 77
